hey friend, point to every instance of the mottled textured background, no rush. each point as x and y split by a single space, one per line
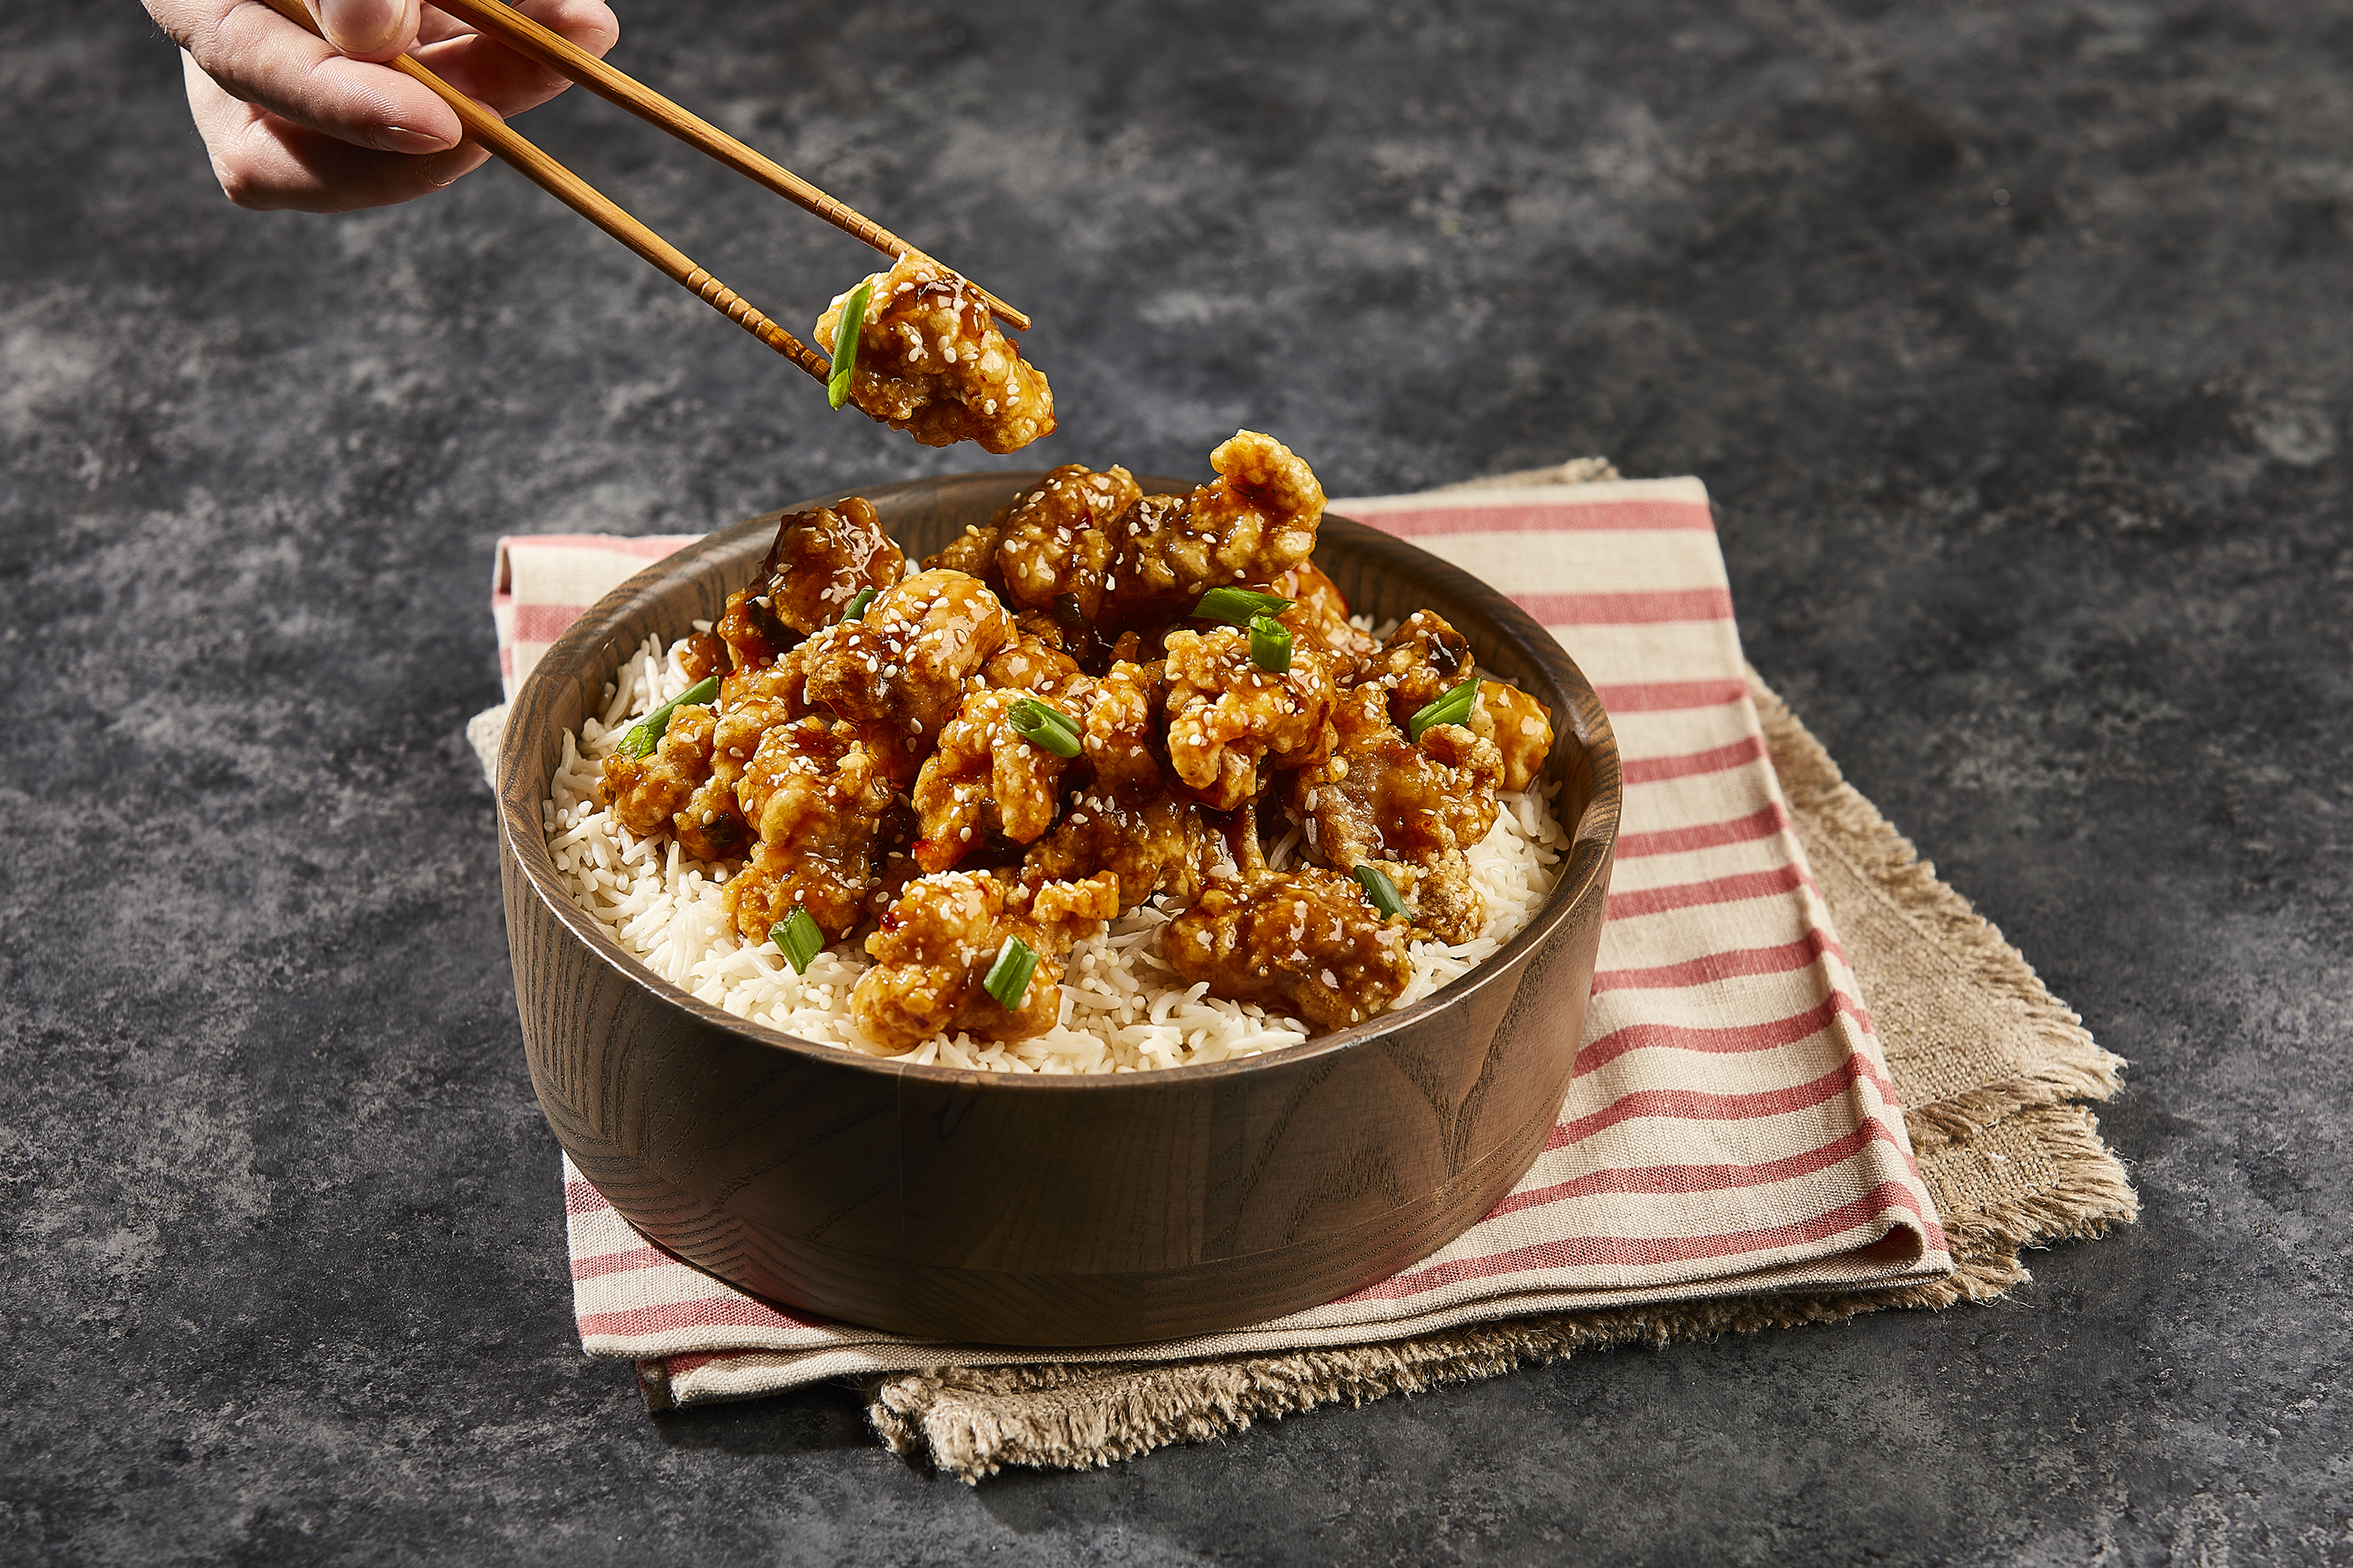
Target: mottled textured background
2012 340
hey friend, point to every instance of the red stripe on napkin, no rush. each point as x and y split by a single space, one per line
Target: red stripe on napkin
1715 967
1691 764
1651 608
1768 1036
1716 891
1668 696
1762 823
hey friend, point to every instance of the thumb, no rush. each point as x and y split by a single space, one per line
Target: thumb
369 29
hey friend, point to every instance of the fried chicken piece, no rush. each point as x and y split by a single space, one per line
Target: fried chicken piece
822 560
1121 816
1255 522
1321 616
754 636
1230 721
973 554
1304 942
741 723
819 563
645 793
1519 726
1157 845
1423 659
1383 798
931 363
937 944
1034 662
1055 538
820 803
704 654
899 674
1445 904
1121 731
709 825
985 779
1457 775
775 691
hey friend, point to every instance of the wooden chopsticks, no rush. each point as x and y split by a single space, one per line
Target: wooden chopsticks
583 199
566 58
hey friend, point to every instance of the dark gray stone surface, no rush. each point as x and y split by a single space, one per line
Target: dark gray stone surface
2011 338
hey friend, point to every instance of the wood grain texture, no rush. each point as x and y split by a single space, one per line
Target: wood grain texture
1048 1211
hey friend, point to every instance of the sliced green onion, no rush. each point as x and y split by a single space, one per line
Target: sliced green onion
857 611
1379 889
1453 708
1042 724
796 936
647 733
845 344
1237 605
1270 643
1008 977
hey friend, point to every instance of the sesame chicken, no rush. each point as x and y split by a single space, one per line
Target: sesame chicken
711 825
753 635
1304 941
819 802
900 672
985 780
931 361
704 654
1121 735
1035 661
973 554
936 944
1382 798
763 694
647 792
822 560
1320 615
1055 539
1230 721
1157 845
1423 659
815 568
1519 726
1255 521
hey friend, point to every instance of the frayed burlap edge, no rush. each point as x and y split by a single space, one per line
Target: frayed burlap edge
2010 1166
1576 471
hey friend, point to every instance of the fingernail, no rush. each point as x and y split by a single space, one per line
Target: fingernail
401 139
451 171
362 26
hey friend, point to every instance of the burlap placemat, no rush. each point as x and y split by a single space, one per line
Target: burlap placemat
1983 1059
1991 1067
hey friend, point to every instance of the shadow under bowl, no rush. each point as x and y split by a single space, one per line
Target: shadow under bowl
1032 1210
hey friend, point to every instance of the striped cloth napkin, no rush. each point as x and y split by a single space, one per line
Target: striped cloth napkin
1731 1128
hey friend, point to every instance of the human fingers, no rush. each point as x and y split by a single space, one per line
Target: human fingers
484 68
268 164
258 55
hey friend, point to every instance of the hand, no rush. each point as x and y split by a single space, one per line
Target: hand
293 121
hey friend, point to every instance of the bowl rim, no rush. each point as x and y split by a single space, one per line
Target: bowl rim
1592 838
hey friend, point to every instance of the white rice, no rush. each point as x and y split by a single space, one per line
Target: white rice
1123 1008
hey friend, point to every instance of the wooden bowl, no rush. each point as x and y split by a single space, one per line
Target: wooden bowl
1033 1210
